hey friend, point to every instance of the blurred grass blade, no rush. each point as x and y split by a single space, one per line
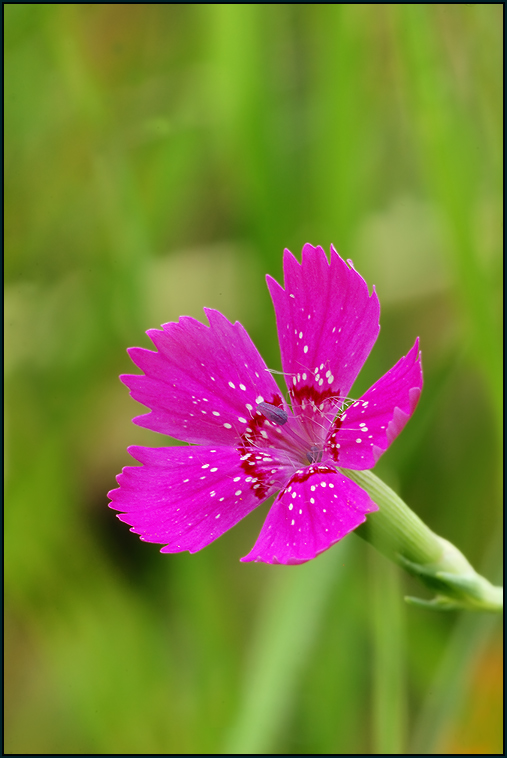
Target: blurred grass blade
287 628
451 683
449 144
389 696
343 113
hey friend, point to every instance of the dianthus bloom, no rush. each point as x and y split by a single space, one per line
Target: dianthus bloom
209 386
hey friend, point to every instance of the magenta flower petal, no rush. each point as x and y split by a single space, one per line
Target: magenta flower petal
210 385
318 507
204 382
361 434
185 497
327 322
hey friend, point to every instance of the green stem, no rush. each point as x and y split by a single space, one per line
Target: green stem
401 535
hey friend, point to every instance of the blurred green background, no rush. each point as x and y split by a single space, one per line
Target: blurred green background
158 159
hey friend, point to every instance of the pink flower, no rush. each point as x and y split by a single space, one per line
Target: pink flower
210 387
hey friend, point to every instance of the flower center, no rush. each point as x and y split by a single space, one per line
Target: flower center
303 442
277 443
